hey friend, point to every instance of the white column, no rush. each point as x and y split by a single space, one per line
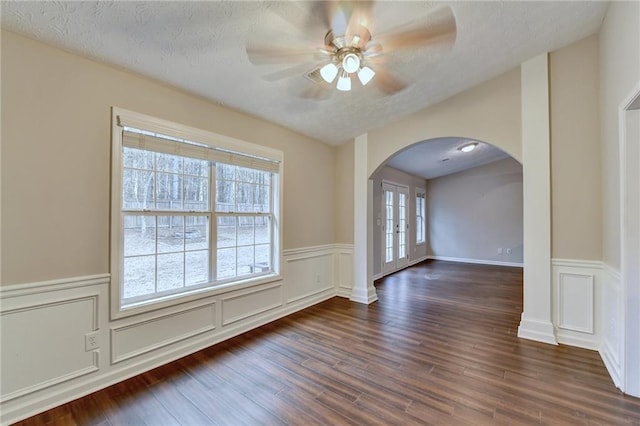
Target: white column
630 240
536 319
363 289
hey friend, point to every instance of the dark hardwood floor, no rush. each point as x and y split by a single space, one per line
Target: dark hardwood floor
439 347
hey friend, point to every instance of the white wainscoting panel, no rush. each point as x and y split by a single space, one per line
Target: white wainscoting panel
44 325
344 270
309 272
140 337
612 349
575 299
577 302
33 336
248 303
42 328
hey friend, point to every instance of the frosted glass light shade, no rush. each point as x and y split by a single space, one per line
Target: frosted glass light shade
351 63
365 75
344 82
329 72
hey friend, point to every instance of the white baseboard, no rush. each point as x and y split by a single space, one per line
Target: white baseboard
540 331
476 261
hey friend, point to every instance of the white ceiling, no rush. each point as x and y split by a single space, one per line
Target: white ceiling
200 47
440 157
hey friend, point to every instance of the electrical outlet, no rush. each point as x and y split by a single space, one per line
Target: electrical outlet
500 250
508 252
91 341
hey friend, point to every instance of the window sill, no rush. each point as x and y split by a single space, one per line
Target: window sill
196 294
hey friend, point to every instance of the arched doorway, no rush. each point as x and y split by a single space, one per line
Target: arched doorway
528 104
434 200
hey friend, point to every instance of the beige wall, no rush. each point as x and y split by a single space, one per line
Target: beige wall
56 150
619 73
477 211
489 112
344 194
576 198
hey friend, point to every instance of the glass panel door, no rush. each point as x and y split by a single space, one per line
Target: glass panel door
395 226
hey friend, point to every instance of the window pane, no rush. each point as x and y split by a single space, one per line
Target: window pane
196 233
139 276
137 158
196 267
263 258
196 193
196 167
169 191
261 202
226 263
226 231
225 196
169 163
245 231
262 229
139 235
225 172
244 174
244 197
246 261
171 234
170 271
137 189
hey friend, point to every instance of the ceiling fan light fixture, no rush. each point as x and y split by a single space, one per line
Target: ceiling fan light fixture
329 72
351 63
365 74
344 82
468 147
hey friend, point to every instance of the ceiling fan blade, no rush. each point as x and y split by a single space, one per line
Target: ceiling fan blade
439 29
387 82
259 55
357 31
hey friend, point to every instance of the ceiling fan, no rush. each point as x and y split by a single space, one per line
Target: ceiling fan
349 52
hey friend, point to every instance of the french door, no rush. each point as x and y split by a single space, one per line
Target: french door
395 227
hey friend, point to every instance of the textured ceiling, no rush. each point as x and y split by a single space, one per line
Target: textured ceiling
200 47
440 157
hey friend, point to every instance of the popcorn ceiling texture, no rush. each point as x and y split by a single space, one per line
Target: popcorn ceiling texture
200 47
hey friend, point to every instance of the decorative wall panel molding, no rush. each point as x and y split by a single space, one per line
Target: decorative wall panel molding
248 303
576 302
43 329
308 272
132 340
344 270
612 348
575 297
141 342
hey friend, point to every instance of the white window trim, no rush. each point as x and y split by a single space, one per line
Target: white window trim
423 192
124 118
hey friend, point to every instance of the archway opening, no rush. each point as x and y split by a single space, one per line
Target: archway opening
434 200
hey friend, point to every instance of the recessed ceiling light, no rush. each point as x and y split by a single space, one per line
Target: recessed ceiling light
468 147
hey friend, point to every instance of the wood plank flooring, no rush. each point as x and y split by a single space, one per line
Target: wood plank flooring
439 347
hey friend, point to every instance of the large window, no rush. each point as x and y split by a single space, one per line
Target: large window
190 216
420 217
